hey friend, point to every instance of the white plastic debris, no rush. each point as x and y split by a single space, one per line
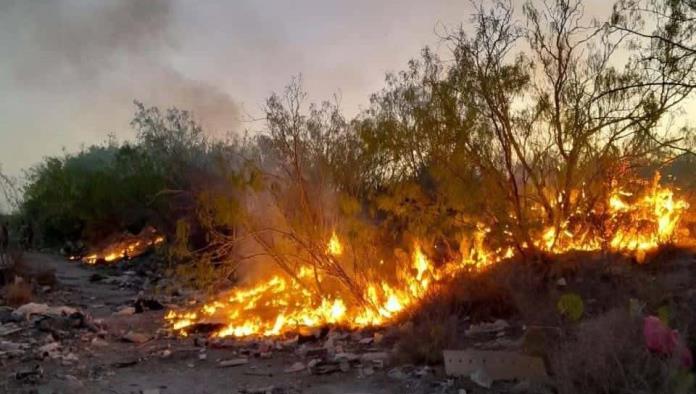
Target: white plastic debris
481 377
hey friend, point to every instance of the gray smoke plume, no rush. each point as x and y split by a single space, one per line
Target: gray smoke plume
87 62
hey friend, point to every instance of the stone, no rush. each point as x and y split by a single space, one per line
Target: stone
371 356
481 377
296 367
346 356
487 328
234 362
135 337
9 329
125 311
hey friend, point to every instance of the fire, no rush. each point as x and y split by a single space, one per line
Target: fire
631 222
334 247
124 246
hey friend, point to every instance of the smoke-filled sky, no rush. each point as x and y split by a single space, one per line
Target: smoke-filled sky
70 69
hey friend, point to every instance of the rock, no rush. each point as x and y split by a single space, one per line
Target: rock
7 315
9 329
12 349
135 337
307 352
378 364
344 365
125 311
481 377
49 349
366 341
296 367
99 342
365 371
487 328
30 375
423 371
150 391
346 356
561 282
27 310
371 356
142 305
397 373
234 362
461 391
326 367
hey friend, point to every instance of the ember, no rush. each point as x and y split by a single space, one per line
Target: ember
632 223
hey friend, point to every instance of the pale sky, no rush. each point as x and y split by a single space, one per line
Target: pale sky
70 69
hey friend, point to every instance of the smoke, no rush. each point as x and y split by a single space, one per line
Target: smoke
81 65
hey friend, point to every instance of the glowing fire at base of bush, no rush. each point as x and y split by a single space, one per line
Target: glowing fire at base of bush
280 304
124 247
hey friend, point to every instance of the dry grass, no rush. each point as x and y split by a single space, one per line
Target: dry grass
18 293
607 355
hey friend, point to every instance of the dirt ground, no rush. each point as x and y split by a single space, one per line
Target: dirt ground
89 362
101 349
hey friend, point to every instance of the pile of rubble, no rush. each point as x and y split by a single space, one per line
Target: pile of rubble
36 332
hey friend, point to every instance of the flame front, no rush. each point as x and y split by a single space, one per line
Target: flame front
631 223
124 247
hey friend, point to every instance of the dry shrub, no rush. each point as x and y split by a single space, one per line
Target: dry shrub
607 355
439 321
425 339
18 293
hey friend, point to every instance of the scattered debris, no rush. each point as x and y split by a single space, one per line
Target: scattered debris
135 337
9 329
30 375
497 364
481 377
27 310
234 362
487 328
125 364
397 373
125 311
142 305
296 367
374 356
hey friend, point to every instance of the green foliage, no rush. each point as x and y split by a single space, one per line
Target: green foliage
571 306
664 313
92 193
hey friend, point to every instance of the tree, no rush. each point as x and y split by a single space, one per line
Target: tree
555 124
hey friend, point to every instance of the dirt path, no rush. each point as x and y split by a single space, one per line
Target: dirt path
102 362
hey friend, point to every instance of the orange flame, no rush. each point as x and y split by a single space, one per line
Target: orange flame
280 304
